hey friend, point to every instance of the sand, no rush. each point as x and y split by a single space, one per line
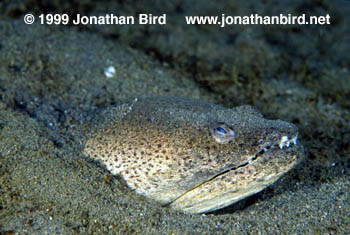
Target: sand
52 81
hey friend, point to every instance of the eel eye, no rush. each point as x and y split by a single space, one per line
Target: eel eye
222 133
221 130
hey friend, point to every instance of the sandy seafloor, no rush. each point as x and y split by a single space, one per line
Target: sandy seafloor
52 81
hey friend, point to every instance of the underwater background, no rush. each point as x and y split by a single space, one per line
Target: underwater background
52 77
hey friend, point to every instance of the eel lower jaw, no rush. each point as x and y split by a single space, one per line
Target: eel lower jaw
201 200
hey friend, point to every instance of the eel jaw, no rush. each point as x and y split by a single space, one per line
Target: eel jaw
208 196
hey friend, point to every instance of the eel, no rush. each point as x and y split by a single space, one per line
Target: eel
190 155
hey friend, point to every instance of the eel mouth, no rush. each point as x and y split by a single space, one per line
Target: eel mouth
268 148
206 197
284 143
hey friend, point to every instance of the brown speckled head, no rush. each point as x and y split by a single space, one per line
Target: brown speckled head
193 156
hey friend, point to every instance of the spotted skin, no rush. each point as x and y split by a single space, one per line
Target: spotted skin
166 149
